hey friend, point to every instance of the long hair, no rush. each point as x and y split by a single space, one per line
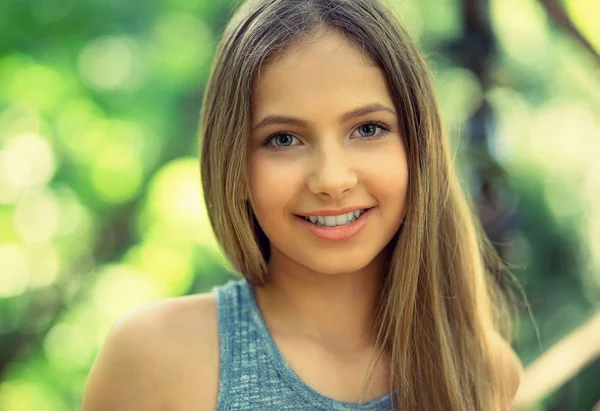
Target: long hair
439 300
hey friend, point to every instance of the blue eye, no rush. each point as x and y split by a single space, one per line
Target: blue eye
279 141
283 140
371 128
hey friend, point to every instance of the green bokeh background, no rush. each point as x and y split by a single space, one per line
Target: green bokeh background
101 207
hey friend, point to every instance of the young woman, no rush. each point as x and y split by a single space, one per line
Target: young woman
328 182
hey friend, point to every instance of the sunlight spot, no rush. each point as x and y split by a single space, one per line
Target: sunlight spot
563 198
116 169
120 288
175 203
36 215
105 63
22 395
80 125
460 95
155 258
585 16
14 276
27 161
522 31
410 16
44 264
76 219
67 348
22 79
15 120
183 45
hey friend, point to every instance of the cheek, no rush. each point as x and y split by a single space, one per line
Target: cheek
273 185
387 181
388 171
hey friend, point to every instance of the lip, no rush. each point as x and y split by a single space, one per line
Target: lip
339 232
324 213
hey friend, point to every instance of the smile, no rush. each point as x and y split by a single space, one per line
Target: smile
335 220
337 227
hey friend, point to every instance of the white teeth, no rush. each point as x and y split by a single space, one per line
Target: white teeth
341 219
332 221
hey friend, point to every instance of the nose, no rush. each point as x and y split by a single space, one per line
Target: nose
332 175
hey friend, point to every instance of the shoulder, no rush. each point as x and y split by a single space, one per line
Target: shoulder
508 368
154 354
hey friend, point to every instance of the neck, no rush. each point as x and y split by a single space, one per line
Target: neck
336 310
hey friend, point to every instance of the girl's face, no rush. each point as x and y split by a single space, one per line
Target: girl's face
325 141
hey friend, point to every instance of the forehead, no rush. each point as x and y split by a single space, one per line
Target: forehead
327 74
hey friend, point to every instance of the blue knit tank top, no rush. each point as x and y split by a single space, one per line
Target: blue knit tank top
253 373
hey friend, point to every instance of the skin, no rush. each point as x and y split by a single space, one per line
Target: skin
321 294
327 164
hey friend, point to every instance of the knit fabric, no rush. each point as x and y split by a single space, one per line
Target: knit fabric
253 373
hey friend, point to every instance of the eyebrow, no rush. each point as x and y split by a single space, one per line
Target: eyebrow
360 111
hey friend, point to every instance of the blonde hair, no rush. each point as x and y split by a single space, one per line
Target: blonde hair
438 300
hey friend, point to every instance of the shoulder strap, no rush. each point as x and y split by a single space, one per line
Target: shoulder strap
230 310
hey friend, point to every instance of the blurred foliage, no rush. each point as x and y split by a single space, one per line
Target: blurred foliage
100 200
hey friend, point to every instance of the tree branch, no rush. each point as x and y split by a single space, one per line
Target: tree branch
558 14
560 363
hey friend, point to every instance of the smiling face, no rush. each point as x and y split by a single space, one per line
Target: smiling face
326 140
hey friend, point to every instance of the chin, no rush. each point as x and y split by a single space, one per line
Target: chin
337 266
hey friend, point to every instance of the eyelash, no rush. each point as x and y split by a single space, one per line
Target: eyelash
384 130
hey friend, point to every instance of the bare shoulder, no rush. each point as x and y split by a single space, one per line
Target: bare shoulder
508 366
160 356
